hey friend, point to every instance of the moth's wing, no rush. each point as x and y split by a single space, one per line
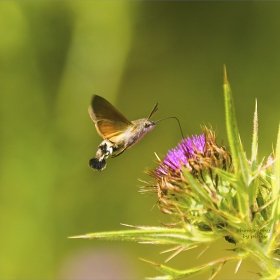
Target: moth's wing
101 109
109 129
108 120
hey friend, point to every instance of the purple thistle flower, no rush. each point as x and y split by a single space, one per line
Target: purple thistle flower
187 149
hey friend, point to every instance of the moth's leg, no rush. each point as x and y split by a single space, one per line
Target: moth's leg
115 155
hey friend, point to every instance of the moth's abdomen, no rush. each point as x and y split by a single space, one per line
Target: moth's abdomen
96 164
105 149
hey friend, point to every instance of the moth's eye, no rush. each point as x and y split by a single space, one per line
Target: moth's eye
146 124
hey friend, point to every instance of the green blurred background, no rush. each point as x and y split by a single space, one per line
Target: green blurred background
54 56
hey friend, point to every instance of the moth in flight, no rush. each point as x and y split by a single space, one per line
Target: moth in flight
117 131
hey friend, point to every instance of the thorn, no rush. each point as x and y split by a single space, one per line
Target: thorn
152 263
158 158
238 265
78 236
225 75
203 251
126 225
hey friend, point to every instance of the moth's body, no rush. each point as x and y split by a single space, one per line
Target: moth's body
118 133
134 133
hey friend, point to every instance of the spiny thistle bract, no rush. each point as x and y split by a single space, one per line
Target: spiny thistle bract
211 193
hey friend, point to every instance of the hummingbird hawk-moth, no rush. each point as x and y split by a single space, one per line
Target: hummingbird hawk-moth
117 131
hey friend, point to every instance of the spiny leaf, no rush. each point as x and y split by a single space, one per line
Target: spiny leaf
240 163
238 155
172 273
153 235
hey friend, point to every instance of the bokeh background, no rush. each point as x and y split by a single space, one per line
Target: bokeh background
54 55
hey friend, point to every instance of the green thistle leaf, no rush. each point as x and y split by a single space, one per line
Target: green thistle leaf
238 156
170 273
153 235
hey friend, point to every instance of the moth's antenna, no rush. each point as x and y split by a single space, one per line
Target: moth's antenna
177 121
153 111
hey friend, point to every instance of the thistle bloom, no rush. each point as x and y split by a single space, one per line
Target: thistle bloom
200 156
178 157
198 150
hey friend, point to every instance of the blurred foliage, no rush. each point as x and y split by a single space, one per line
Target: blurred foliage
56 54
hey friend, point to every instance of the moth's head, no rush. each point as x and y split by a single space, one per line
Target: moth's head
149 125
146 125
142 126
